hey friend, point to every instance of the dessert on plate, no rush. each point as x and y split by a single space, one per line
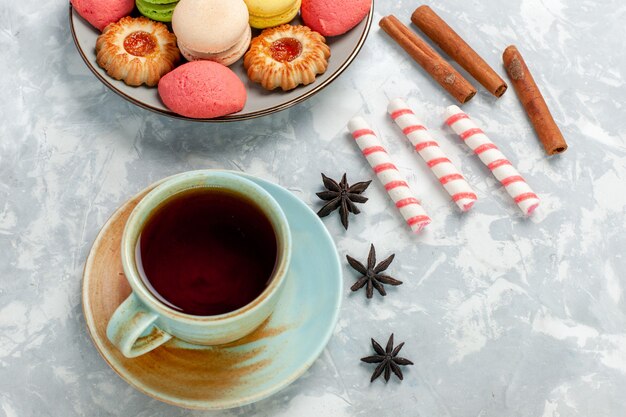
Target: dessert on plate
214 30
160 10
286 56
202 89
331 17
100 13
140 51
270 13
137 51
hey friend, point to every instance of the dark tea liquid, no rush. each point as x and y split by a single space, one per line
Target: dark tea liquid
207 252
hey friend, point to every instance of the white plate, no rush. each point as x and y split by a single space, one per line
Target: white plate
260 102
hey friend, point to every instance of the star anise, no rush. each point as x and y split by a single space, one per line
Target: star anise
342 196
372 274
387 360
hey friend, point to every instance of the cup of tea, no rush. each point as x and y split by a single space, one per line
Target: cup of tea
206 254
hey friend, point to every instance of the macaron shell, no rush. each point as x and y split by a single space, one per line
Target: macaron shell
160 1
262 18
159 12
202 89
228 57
270 13
268 8
333 18
210 26
100 13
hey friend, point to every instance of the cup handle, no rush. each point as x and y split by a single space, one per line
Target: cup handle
132 330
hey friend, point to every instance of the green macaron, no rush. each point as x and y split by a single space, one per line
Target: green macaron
160 10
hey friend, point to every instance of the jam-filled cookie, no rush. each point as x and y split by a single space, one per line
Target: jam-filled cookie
286 56
137 51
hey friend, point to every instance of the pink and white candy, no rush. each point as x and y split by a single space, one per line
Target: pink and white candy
491 156
428 148
387 173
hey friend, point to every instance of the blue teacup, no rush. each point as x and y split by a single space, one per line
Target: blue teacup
143 322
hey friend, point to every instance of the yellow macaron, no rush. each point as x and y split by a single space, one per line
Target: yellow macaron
270 13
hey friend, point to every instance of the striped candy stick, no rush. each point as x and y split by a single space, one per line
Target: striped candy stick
428 148
491 156
388 174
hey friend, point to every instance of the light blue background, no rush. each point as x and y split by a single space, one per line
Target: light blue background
503 316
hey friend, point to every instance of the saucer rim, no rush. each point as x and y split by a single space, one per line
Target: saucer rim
215 404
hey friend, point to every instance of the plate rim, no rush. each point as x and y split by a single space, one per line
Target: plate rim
233 117
213 404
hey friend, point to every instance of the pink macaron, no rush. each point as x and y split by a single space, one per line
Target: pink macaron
102 12
202 90
331 17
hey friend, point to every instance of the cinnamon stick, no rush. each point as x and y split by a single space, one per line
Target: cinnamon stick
535 105
452 44
427 58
